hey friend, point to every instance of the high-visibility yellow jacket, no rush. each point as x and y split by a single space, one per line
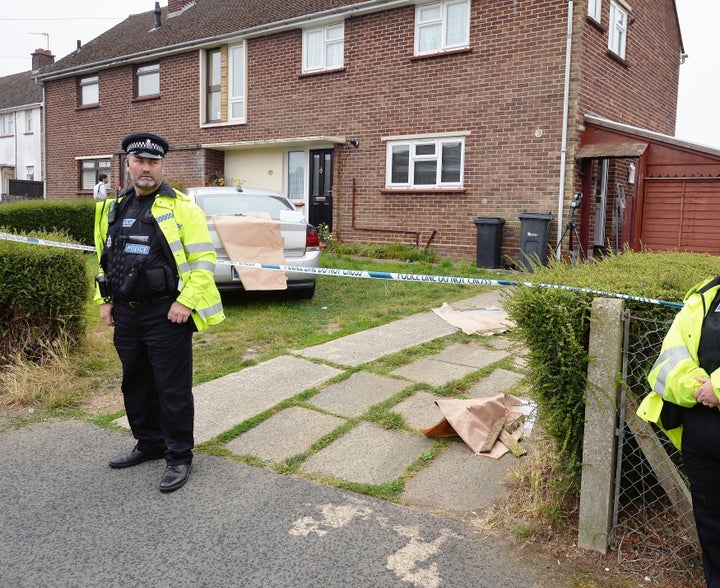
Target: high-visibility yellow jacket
673 377
184 226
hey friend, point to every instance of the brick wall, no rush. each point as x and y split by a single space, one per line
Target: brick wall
505 93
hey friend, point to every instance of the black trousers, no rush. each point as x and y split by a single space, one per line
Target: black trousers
156 357
701 454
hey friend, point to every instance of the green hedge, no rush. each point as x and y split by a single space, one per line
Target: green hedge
555 325
43 297
75 218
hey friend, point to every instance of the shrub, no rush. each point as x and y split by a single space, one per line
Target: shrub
75 218
43 296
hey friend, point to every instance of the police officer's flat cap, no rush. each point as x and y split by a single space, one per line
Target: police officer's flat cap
145 145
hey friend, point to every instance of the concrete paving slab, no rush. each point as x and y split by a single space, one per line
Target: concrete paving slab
377 342
354 396
228 401
433 372
496 383
458 481
368 454
475 356
419 410
287 433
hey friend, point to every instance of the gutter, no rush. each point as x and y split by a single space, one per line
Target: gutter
566 107
257 31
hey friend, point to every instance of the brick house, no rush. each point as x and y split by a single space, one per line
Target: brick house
21 131
390 120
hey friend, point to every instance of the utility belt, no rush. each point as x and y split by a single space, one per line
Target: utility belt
143 303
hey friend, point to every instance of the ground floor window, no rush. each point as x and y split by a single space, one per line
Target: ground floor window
296 175
425 163
90 170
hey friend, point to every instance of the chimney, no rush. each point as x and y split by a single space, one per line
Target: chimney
41 58
158 22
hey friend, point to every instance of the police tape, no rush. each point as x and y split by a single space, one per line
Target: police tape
374 275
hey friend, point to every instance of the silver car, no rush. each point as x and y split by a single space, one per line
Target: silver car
301 242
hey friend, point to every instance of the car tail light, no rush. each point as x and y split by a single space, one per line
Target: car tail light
312 238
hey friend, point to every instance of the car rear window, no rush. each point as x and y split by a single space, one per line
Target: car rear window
213 204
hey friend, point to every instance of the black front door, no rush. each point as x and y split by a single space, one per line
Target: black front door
321 184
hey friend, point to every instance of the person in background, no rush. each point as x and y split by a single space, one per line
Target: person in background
100 189
155 287
685 403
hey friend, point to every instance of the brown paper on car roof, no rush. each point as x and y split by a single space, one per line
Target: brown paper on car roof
472 419
254 239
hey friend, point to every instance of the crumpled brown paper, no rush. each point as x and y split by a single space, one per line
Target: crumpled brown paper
253 238
472 419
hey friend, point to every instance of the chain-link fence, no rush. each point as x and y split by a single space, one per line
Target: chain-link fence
653 522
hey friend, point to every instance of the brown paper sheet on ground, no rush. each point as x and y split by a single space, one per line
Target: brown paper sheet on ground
472 419
475 320
254 239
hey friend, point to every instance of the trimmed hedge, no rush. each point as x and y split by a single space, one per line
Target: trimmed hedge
75 218
555 327
43 297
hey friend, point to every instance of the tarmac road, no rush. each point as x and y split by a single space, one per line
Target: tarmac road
69 520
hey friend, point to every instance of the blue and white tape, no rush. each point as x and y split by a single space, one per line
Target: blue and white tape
374 275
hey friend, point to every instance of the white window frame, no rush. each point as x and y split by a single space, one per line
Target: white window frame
595 10
237 83
415 158
89 87
148 75
425 20
617 30
29 121
7 125
30 173
320 45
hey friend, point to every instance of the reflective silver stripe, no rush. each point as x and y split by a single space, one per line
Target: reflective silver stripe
183 268
669 361
203 265
211 310
199 247
176 246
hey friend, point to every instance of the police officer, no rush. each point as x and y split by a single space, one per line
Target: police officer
685 402
155 287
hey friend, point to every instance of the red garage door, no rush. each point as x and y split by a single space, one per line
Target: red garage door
682 215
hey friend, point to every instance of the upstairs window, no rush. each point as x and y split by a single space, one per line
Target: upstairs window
29 128
89 91
323 48
213 92
147 80
425 163
7 124
236 83
225 98
595 10
442 26
617 33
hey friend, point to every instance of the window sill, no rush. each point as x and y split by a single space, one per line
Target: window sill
88 106
423 191
144 98
441 54
595 24
312 74
615 57
214 124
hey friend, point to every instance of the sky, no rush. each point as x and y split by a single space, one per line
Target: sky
57 26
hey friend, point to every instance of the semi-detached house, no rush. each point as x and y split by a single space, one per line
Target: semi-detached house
389 120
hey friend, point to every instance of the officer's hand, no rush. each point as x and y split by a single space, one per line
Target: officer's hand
106 313
179 313
705 393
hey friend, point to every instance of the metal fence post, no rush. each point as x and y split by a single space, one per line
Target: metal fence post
599 444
